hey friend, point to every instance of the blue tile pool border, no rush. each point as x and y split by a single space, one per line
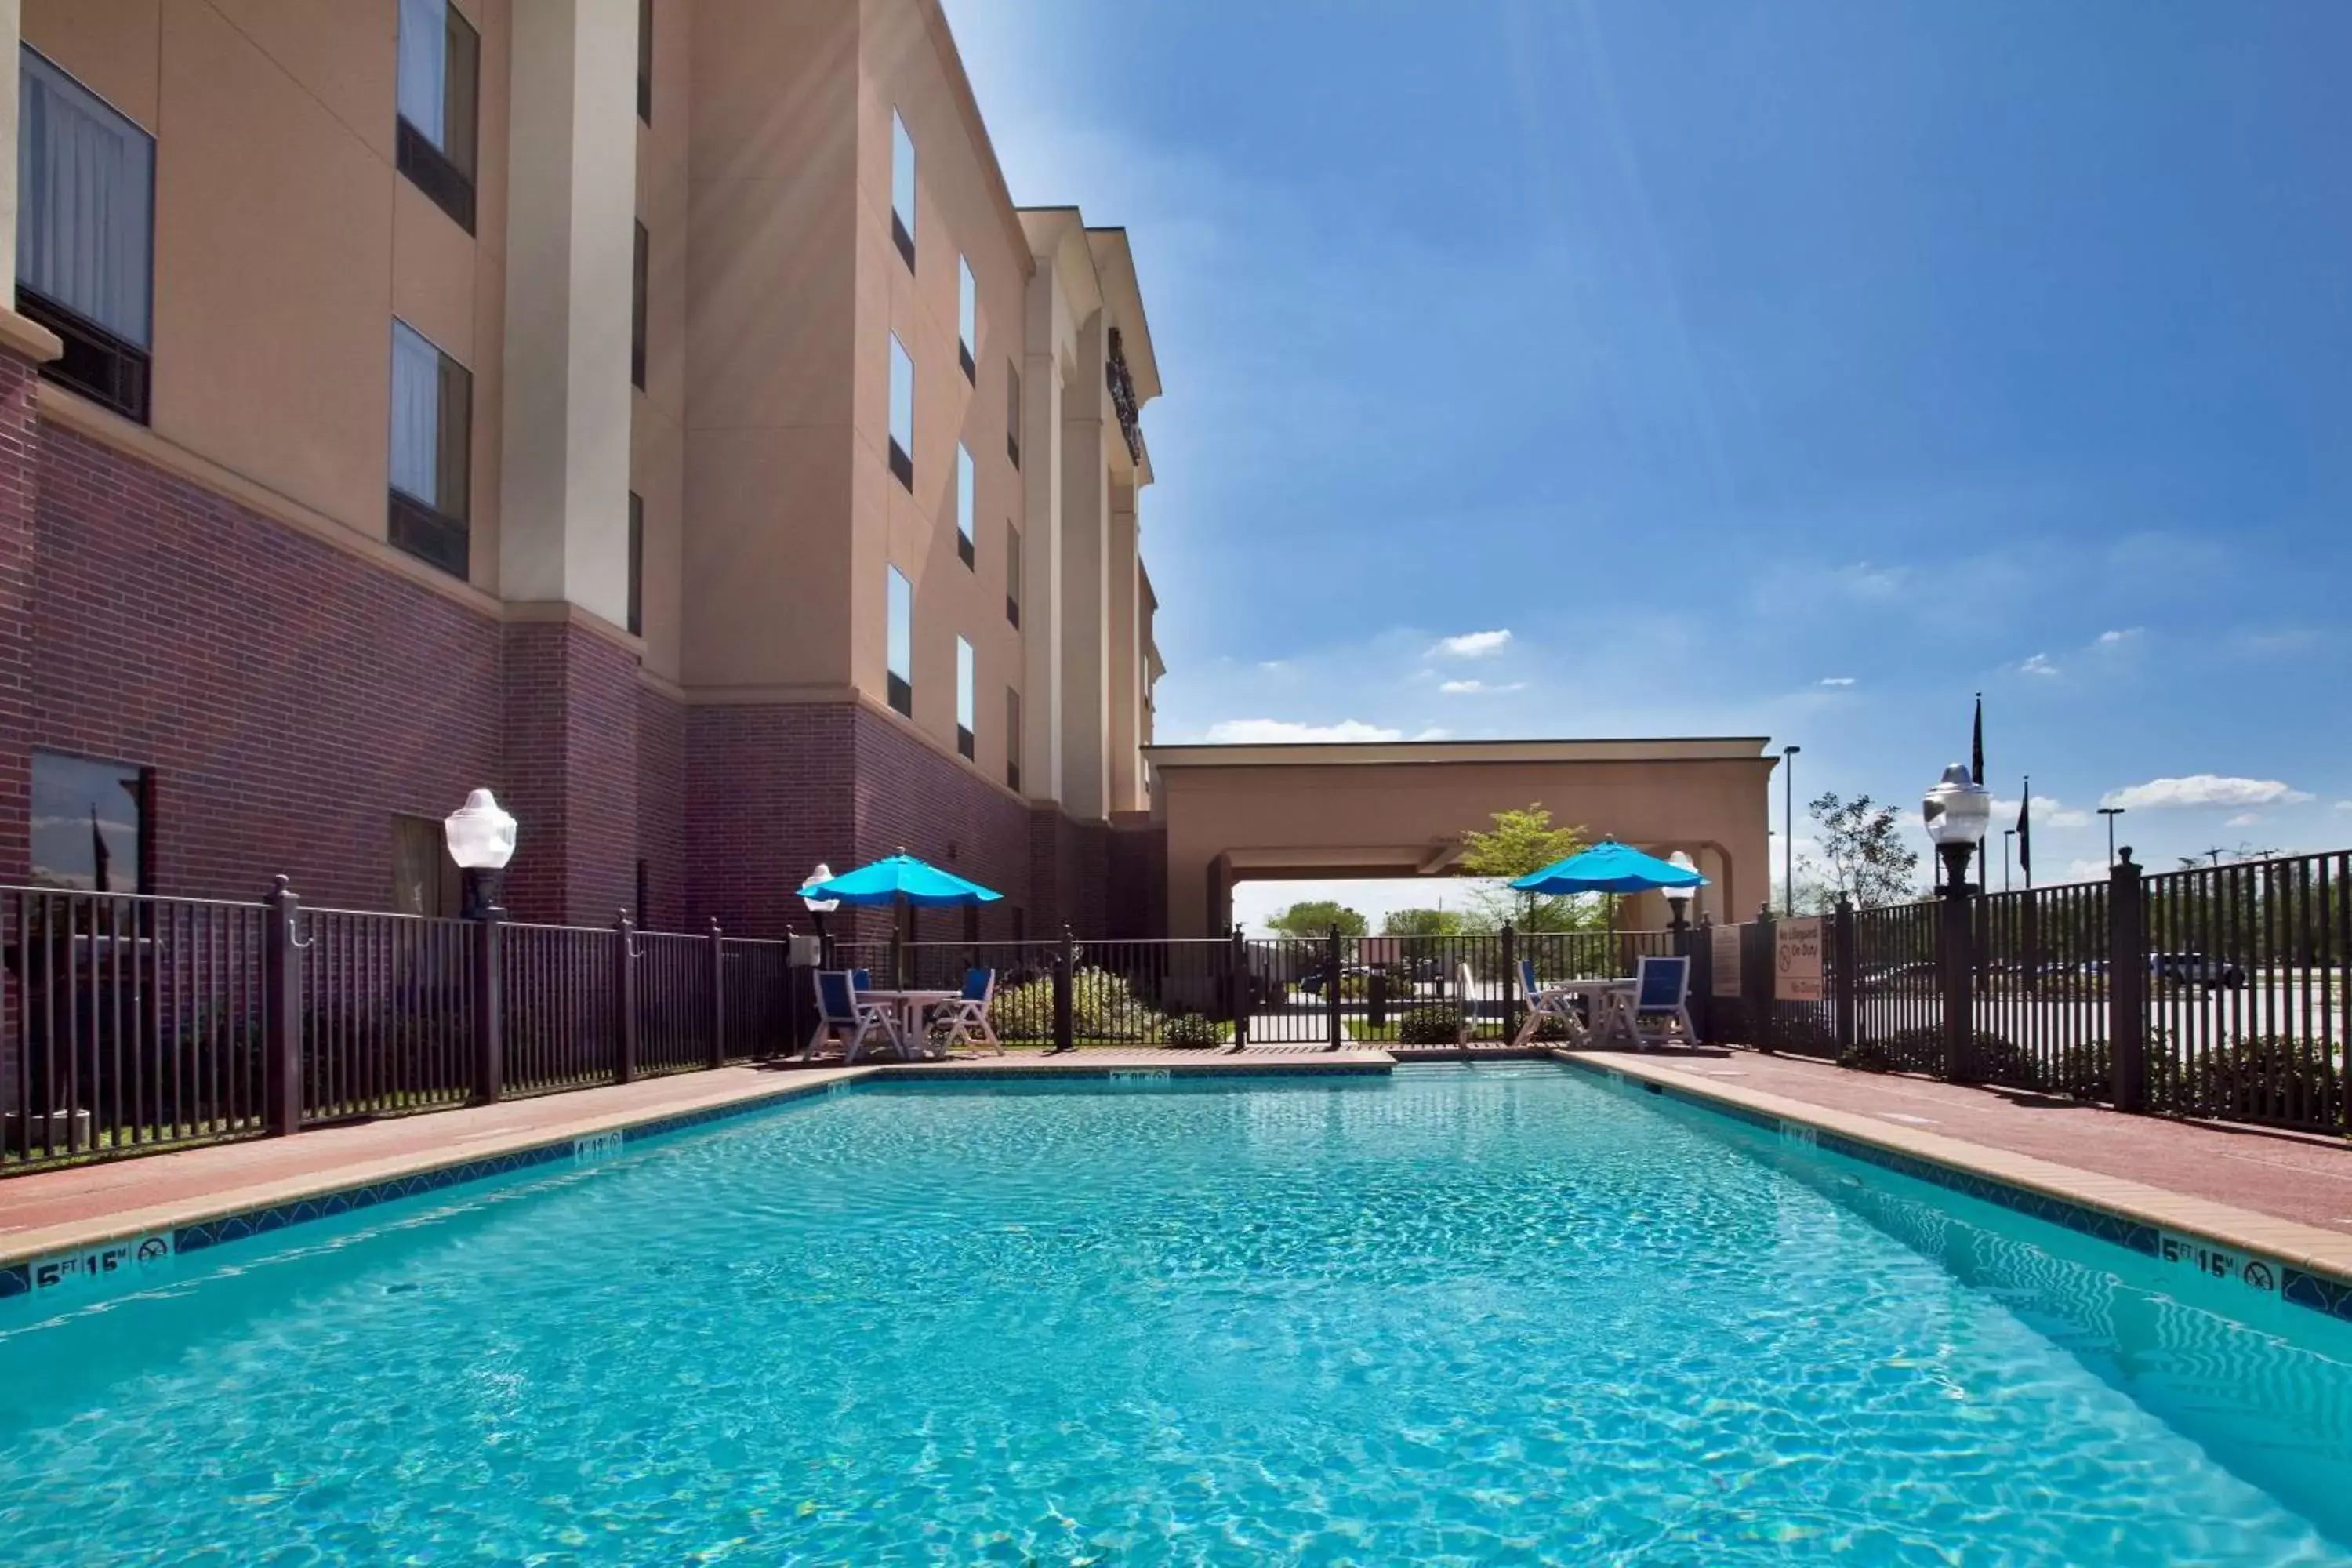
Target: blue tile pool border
2321 1293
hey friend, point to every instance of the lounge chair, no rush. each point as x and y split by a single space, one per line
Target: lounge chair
1660 1001
1544 1003
847 1015
966 1018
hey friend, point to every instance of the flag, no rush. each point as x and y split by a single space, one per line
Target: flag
1976 751
2025 833
99 857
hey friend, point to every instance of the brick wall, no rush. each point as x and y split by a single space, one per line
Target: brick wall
661 810
571 709
290 697
941 809
19 449
769 795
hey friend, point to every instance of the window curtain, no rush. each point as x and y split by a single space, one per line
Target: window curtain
416 416
85 195
425 67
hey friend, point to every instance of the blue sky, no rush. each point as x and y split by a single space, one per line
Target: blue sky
1889 351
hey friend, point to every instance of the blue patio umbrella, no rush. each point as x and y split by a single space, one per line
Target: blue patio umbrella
1608 867
901 878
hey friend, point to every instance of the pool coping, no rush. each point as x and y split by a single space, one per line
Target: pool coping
103 1243
2313 1267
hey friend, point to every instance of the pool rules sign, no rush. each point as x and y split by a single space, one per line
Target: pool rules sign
1797 960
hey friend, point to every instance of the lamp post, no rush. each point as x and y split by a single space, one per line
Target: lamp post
1678 900
818 909
1789 823
2007 835
2111 813
1957 812
480 834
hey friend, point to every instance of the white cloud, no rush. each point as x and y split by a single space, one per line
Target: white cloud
2047 811
1279 731
1837 681
1271 665
2344 805
1434 734
2128 634
1480 688
2203 789
1864 580
2085 871
2039 664
2244 819
1473 645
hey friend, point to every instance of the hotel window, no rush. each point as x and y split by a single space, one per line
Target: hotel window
425 880
902 188
92 825
967 320
645 86
637 312
1013 574
964 489
1012 740
1013 411
902 413
440 73
966 716
902 643
85 234
636 564
432 451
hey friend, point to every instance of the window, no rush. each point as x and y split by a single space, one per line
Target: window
1013 574
965 488
425 880
1012 740
85 234
902 643
966 716
902 413
92 825
432 451
440 69
1013 411
902 188
636 564
637 313
645 98
967 320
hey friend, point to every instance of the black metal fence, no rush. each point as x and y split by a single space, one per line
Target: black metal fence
2216 993
129 1025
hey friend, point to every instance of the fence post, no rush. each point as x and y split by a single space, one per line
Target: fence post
1698 945
1065 979
719 995
1331 988
624 996
1238 956
1510 983
2126 984
1759 971
1956 943
281 1012
490 1008
1841 978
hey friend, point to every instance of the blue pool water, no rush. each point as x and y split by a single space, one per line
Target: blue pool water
1466 1315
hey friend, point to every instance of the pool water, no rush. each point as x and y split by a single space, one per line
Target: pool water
1474 1315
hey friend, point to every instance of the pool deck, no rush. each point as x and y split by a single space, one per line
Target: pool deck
2283 1194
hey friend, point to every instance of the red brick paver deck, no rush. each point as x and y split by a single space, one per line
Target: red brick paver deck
2292 1175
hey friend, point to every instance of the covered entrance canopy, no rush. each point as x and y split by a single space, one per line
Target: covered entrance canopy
1399 809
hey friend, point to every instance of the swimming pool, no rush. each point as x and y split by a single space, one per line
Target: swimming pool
1478 1315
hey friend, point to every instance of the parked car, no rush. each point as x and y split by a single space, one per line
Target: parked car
2196 969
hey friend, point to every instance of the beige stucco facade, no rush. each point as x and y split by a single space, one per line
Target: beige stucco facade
1235 814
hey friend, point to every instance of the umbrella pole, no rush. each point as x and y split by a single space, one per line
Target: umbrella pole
899 943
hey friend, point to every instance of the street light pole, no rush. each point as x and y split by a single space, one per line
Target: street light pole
1789 825
2006 834
2111 813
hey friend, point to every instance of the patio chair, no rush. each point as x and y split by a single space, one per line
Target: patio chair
1542 1004
846 1014
1662 1001
966 1017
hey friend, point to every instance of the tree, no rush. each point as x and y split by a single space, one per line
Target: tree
1868 861
1422 922
1316 917
1520 842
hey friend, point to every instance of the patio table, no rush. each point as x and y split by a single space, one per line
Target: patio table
1613 1007
910 1007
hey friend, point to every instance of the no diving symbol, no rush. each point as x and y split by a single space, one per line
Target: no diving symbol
154 1249
2258 1274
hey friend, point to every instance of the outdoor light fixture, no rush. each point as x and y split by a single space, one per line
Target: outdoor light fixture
1678 899
1957 811
482 838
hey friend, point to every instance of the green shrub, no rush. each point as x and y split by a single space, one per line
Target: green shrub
1439 1026
1867 1055
1192 1029
2262 1077
1103 1006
